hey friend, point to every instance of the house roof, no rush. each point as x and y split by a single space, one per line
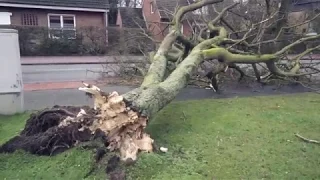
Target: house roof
305 1
305 5
132 17
92 4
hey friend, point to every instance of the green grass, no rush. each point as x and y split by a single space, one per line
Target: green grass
11 126
240 138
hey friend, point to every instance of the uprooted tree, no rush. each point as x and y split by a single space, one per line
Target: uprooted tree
121 119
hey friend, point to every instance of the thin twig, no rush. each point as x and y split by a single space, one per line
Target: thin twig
184 116
307 140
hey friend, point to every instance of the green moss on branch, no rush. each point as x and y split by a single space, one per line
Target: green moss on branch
226 56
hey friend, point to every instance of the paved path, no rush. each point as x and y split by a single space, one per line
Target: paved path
37 60
61 73
35 100
59 77
42 60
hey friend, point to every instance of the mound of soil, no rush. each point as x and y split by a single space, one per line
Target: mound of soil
42 136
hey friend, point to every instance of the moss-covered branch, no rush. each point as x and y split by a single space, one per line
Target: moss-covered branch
157 70
224 55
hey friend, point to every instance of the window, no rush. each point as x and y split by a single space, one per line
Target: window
311 30
62 26
29 19
5 18
151 8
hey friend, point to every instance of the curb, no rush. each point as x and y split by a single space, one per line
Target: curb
72 63
55 85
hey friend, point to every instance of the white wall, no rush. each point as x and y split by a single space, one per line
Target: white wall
5 18
11 86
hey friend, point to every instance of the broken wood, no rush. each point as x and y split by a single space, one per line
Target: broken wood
307 140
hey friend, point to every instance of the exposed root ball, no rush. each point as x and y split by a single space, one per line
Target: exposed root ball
42 135
54 130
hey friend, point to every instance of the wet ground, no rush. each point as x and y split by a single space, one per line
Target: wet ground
35 100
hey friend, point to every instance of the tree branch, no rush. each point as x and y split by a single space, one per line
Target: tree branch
157 70
220 15
286 48
224 55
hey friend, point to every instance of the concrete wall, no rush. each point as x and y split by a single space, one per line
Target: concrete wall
11 86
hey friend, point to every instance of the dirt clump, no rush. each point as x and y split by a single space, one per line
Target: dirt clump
43 136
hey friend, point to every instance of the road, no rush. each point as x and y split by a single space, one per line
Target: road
70 72
60 73
35 100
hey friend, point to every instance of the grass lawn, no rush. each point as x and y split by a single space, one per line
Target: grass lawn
240 138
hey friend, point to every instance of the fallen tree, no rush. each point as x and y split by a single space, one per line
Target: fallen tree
119 120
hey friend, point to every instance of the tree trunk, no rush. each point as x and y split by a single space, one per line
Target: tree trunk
151 99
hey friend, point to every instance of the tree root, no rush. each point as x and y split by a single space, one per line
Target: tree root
43 136
113 124
307 140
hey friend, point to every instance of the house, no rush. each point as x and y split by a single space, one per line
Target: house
302 10
158 15
57 15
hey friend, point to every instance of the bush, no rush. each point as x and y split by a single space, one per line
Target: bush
40 41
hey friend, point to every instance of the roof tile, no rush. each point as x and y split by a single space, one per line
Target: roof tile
95 4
